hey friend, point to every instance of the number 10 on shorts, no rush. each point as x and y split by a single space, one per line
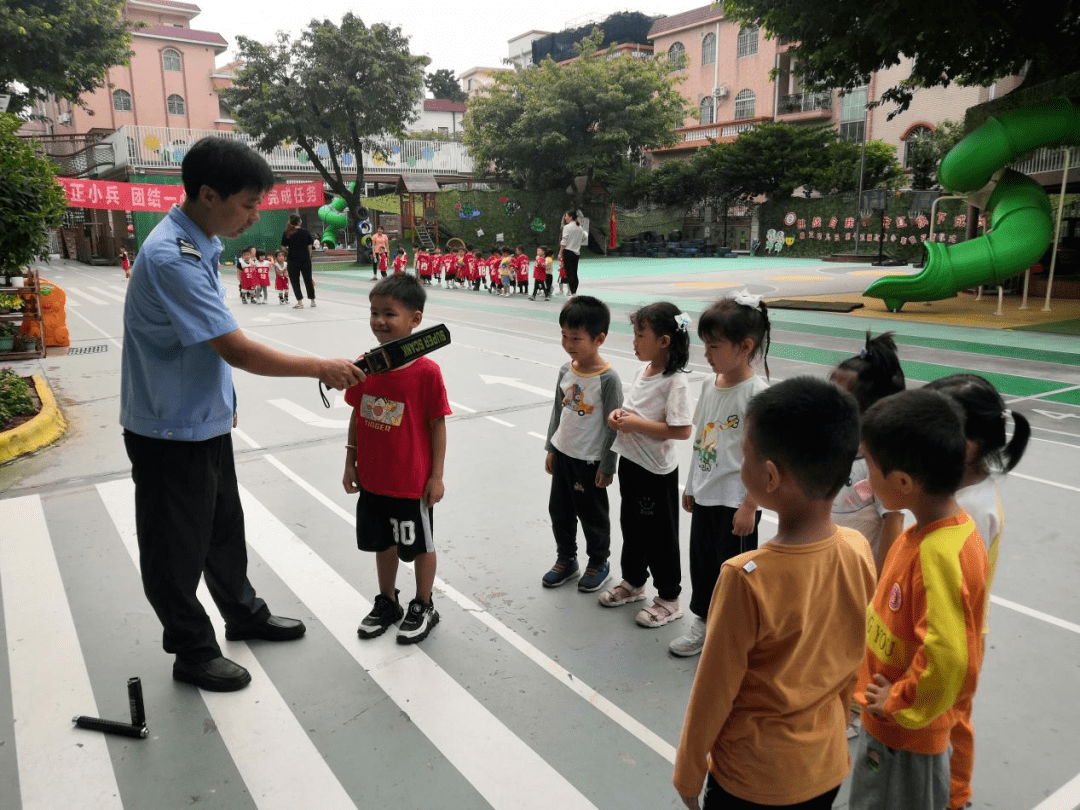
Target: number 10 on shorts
404 531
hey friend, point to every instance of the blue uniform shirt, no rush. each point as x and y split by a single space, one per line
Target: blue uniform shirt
173 385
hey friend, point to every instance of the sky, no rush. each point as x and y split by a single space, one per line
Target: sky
457 36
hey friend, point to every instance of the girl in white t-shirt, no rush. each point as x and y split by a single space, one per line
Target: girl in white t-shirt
724 521
655 414
873 374
988 452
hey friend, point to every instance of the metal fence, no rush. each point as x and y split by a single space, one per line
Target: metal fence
1047 159
165 147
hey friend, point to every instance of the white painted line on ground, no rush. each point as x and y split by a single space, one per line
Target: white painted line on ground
307 417
82 294
1036 614
1043 395
109 294
459 407
118 344
539 436
514 382
59 765
1067 797
567 679
497 763
499 421
71 302
280 765
1068 487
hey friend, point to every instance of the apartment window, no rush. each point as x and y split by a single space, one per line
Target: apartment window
707 114
746 45
708 49
915 134
121 101
444 130
744 104
853 115
170 59
676 54
176 105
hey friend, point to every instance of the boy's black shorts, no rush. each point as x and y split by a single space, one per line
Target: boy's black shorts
383 522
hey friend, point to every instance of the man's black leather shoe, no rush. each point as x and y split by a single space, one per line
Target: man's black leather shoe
275 628
216 675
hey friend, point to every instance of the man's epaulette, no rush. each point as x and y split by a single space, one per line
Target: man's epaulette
188 249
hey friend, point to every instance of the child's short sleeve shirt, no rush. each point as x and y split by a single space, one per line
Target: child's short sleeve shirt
659 398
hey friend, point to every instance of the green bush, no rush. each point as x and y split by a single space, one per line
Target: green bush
32 203
15 399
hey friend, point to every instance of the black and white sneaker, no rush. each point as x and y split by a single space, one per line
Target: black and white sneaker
418 622
383 613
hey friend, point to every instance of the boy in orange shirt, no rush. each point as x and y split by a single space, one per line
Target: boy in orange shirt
924 626
768 713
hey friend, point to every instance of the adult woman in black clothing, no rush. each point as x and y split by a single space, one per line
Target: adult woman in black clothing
570 248
299 245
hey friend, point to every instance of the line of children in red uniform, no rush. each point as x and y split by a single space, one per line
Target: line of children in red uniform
504 272
254 268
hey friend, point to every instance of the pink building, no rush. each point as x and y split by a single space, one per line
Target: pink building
170 81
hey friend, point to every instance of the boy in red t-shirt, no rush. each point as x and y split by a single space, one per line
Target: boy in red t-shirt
521 270
493 262
540 274
436 265
394 459
400 260
422 266
262 276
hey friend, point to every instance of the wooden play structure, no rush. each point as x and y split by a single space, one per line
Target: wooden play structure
413 189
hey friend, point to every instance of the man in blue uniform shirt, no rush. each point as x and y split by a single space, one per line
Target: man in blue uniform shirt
177 404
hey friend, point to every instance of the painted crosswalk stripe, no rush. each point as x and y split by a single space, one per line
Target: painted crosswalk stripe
109 293
85 295
279 763
59 765
498 764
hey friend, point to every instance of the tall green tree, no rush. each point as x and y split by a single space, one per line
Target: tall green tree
442 84
343 87
542 127
59 47
925 152
970 42
840 172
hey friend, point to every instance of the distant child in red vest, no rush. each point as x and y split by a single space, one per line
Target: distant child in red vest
125 263
562 275
448 264
400 260
493 262
422 266
383 263
540 275
262 276
471 272
521 270
281 277
245 274
436 265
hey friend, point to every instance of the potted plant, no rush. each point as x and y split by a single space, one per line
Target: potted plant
27 343
10 303
8 331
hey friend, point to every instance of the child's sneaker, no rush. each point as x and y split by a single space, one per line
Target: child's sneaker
418 622
621 594
563 570
691 643
383 613
659 613
594 577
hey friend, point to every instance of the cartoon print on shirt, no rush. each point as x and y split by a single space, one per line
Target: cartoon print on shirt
574 399
381 410
705 446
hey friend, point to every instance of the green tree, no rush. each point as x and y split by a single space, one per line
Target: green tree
770 160
840 172
442 84
925 152
59 47
343 87
970 42
31 201
542 127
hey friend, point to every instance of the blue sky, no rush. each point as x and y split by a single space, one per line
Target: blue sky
457 36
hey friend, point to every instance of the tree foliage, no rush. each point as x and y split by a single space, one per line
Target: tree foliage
839 173
31 201
442 84
59 47
925 153
543 126
342 88
970 42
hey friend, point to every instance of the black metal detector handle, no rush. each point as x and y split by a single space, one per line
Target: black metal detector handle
397 353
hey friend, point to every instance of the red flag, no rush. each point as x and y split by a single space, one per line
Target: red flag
612 238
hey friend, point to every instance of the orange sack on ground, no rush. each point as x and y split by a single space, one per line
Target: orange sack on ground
53 315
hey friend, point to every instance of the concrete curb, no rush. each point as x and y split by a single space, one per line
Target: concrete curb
44 429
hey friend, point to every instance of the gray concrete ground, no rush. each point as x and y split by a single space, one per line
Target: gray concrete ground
522 697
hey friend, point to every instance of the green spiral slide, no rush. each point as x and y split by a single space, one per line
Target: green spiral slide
1017 209
335 218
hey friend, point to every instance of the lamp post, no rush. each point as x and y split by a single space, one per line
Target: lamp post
921 202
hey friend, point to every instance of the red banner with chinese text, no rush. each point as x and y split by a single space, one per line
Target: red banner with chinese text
119 196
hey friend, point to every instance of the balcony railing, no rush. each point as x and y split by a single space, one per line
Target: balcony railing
714 132
1047 159
803 102
149 148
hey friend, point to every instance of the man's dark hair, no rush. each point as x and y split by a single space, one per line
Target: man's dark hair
295 219
920 433
226 165
402 288
809 428
588 313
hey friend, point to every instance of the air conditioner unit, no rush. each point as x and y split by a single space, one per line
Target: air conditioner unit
721 91
64 118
